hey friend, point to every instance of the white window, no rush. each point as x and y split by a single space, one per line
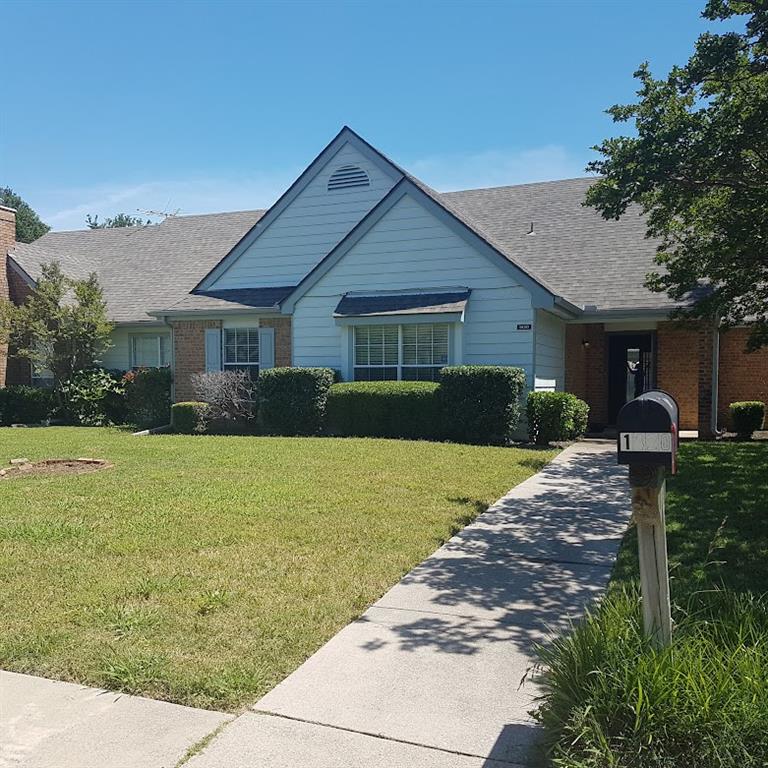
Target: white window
150 350
414 352
241 350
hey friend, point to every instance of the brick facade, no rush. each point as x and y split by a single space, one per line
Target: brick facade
7 241
282 326
586 368
677 368
189 354
743 375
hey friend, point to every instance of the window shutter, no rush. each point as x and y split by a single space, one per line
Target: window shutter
212 349
266 348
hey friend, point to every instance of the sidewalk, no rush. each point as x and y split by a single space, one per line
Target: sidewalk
431 674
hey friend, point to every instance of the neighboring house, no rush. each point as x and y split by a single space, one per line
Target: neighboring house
362 268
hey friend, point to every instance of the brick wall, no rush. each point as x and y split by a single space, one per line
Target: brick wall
677 369
743 375
7 241
586 371
282 326
189 354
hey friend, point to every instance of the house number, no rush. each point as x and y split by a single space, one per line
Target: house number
646 442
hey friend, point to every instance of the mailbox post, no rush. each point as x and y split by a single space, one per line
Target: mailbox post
648 430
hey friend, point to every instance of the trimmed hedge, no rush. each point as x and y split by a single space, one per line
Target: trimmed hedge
404 409
292 401
481 403
555 416
747 417
21 404
148 396
185 417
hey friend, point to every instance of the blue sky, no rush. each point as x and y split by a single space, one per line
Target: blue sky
211 106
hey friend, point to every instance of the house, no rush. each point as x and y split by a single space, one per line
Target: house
361 267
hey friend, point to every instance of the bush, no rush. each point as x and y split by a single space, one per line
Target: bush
405 409
611 699
87 394
747 417
188 418
555 416
26 405
481 403
231 399
148 397
292 401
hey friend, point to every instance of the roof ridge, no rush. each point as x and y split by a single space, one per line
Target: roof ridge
519 186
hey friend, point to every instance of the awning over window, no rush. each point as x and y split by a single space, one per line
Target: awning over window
382 305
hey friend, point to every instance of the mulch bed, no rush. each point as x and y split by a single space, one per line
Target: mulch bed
52 467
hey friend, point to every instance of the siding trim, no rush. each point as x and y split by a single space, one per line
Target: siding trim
345 136
541 296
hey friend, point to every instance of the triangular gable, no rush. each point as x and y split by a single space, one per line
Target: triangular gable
345 137
542 295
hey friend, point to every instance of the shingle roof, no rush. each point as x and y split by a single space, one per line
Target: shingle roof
141 268
402 304
232 299
580 255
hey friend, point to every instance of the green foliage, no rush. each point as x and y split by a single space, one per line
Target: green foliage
292 401
555 416
481 403
26 405
119 220
62 327
29 226
148 396
612 699
186 418
86 394
697 164
404 409
747 417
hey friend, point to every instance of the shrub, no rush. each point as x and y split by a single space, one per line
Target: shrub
26 405
188 418
406 409
747 417
481 403
86 396
292 401
231 399
611 699
555 416
148 396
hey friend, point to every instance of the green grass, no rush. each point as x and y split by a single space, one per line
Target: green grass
203 570
612 700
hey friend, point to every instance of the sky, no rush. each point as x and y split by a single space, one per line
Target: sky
203 106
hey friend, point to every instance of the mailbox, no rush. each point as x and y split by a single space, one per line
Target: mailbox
648 430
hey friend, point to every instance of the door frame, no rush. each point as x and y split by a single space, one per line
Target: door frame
652 335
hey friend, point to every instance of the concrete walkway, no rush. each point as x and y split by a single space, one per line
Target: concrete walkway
429 677
431 674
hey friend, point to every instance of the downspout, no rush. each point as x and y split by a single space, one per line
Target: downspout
715 376
173 359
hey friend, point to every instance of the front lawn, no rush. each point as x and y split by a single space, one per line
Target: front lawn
203 570
613 700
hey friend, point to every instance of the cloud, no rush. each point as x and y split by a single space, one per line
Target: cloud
500 167
67 208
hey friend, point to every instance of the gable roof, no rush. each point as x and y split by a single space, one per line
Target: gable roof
140 268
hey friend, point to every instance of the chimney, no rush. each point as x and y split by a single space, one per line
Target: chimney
7 243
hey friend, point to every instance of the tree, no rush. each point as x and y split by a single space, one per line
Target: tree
29 226
119 220
62 327
698 167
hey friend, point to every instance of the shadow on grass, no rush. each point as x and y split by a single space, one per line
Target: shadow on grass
717 521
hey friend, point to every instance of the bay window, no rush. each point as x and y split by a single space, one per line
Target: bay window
413 352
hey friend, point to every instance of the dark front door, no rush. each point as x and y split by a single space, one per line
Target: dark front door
631 369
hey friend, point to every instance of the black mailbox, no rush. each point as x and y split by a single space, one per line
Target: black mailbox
648 430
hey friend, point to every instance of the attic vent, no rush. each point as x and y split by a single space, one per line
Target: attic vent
348 176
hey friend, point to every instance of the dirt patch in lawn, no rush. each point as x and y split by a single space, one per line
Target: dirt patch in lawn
25 468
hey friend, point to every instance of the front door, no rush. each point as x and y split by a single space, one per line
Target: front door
631 369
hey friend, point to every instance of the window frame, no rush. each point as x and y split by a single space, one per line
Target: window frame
400 364
253 368
134 337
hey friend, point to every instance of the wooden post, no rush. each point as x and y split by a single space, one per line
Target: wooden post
649 489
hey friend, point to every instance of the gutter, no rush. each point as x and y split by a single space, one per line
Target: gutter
715 377
167 314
